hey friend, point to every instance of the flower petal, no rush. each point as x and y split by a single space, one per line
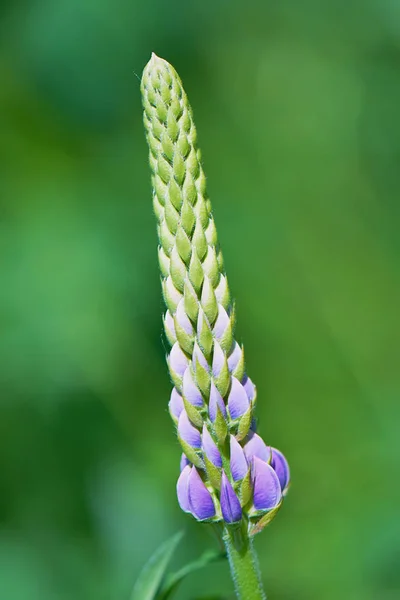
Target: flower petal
238 462
178 360
250 388
210 448
200 500
216 400
266 486
175 404
182 489
230 505
255 446
238 402
218 359
281 468
183 319
199 356
221 323
234 357
188 432
190 390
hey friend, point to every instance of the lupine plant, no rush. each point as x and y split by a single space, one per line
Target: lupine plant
229 476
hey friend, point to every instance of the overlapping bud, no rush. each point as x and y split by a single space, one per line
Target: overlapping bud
227 471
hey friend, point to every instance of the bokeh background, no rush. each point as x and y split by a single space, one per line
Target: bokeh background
297 107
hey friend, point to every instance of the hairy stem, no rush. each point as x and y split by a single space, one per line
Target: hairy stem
243 563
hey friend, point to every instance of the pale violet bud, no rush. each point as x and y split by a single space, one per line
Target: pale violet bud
210 448
216 400
250 388
182 488
219 360
183 319
255 446
200 500
234 357
187 432
238 462
178 360
199 356
190 390
230 505
175 404
266 487
222 322
238 402
281 468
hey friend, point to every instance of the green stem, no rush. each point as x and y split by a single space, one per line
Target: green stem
243 563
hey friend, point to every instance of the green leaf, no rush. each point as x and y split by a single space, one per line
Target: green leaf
152 575
174 579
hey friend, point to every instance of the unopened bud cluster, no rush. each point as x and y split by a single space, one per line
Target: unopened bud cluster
227 471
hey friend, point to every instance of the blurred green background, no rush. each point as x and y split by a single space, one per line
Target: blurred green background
297 107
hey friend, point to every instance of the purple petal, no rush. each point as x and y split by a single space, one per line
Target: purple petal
234 358
238 401
200 500
220 290
230 505
190 390
255 446
184 462
216 400
176 403
197 354
210 448
281 468
238 462
188 432
178 360
182 490
173 293
218 359
183 319
250 388
266 486
221 323
169 323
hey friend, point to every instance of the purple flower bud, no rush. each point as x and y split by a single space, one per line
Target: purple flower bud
266 486
250 388
200 501
230 505
210 448
190 390
234 358
216 400
199 356
182 490
221 323
184 462
183 319
188 432
218 359
239 466
238 402
255 446
281 468
178 360
175 404
171 290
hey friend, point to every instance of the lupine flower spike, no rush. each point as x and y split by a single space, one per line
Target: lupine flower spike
228 474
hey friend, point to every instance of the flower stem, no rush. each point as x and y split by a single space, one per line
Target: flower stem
243 563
